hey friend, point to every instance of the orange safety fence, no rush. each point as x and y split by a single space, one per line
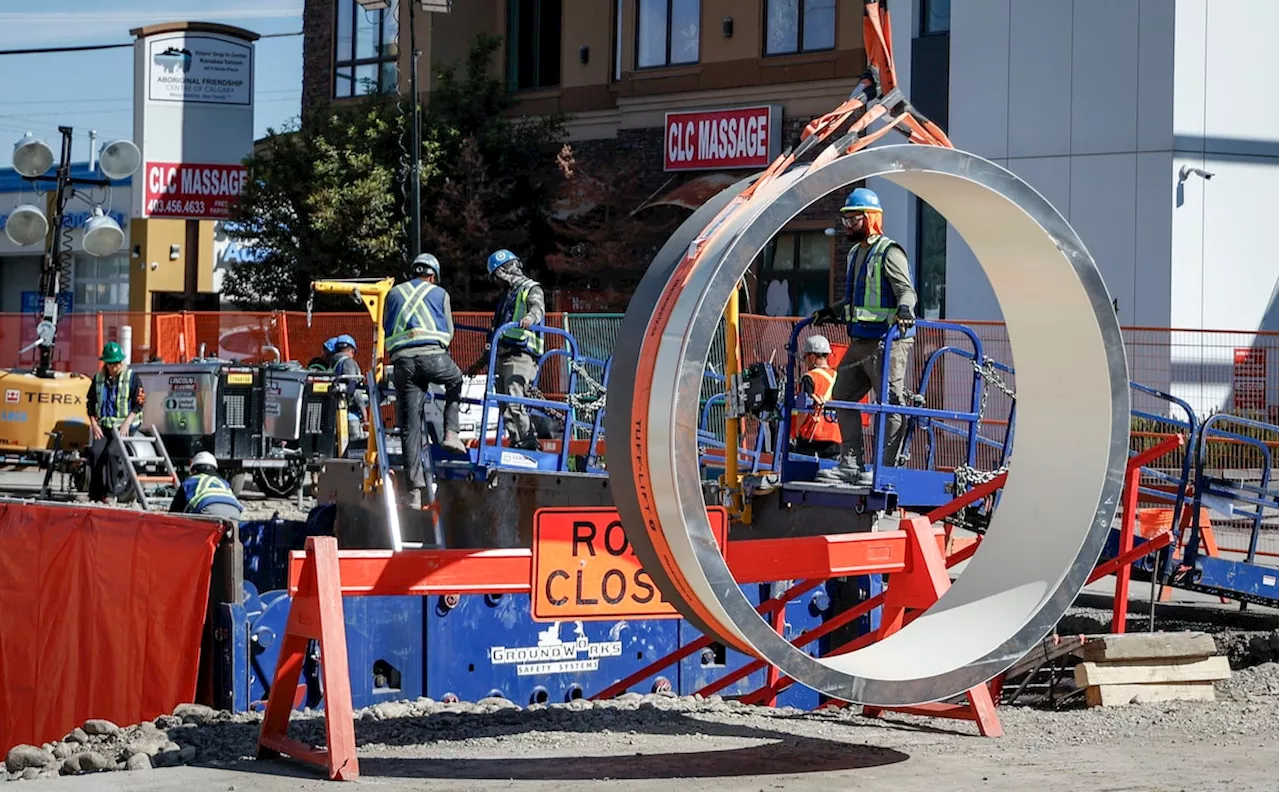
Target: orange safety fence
103 615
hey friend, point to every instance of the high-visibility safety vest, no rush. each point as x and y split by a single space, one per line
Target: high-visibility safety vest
819 426
203 490
121 401
415 317
513 308
870 304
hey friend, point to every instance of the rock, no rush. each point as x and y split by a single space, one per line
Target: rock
200 712
393 709
21 757
168 722
77 735
64 749
98 726
138 762
496 702
168 757
186 754
31 774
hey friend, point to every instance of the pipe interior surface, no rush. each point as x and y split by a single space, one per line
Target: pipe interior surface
1069 450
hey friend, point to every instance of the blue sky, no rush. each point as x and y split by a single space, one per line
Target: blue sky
94 90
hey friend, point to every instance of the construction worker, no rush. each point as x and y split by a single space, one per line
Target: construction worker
204 492
345 365
878 294
115 401
323 361
418 323
816 434
519 348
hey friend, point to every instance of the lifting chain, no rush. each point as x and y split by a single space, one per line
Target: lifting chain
311 304
966 476
594 398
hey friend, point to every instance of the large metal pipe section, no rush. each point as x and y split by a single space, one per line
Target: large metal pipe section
1070 448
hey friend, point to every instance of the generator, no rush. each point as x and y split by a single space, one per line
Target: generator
208 405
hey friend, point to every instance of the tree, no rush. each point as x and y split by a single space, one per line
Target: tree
323 200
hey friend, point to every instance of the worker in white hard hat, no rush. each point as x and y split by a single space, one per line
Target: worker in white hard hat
817 432
205 492
418 323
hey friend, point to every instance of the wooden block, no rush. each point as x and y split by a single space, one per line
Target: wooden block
1120 695
1148 645
1142 672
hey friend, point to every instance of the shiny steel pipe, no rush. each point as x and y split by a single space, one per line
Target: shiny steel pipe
1070 447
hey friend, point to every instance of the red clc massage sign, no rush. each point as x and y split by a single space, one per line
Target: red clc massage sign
185 189
741 137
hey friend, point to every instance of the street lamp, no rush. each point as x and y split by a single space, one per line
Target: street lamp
27 225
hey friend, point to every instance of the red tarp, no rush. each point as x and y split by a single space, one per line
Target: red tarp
101 613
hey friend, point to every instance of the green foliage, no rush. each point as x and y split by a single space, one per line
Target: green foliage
322 201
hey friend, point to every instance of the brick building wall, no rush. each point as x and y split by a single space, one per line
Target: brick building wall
317 53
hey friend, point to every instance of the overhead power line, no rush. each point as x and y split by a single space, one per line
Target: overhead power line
90 47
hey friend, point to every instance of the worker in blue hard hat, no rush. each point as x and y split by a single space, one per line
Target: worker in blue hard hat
520 347
205 492
323 361
351 381
418 322
878 294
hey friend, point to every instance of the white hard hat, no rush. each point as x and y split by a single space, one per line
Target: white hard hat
817 345
204 458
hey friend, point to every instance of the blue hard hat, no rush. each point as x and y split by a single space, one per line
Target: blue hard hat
331 344
426 263
344 339
500 257
862 200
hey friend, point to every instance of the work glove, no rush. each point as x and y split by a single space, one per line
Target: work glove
826 316
906 318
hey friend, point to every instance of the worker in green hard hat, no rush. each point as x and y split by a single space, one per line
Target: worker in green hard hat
115 401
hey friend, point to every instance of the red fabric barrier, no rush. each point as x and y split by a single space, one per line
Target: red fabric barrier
101 614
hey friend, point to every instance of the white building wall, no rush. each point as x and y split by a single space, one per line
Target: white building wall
1075 108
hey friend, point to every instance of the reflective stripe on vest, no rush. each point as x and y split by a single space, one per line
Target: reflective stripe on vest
205 490
819 426
418 319
514 308
871 298
121 401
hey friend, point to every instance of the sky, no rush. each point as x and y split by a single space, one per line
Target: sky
94 89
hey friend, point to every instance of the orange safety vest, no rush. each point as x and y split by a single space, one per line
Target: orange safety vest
819 427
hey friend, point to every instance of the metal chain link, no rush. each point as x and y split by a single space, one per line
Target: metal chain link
967 476
595 396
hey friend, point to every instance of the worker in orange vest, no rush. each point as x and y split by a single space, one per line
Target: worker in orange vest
816 433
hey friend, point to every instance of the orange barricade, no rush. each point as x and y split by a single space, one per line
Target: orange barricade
102 616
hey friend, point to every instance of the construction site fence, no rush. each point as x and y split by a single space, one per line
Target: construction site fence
1213 370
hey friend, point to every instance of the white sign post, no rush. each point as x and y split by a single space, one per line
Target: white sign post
193 118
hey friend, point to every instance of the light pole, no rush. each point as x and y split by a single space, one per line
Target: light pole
27 225
415 157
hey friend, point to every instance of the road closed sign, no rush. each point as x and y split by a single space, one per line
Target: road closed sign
585 570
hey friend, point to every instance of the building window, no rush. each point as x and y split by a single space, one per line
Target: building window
935 17
792 26
931 263
667 32
533 44
366 50
794 274
100 283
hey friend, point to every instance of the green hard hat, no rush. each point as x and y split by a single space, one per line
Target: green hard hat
112 353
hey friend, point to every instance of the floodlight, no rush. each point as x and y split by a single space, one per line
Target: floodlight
102 235
26 225
374 5
119 159
32 156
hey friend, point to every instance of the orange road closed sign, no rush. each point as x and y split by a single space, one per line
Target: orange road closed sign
585 570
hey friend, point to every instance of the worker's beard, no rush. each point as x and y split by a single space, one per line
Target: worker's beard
856 235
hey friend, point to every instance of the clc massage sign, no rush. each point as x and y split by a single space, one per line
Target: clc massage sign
742 137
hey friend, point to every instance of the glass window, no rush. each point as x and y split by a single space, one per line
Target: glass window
668 32
366 50
794 274
931 264
533 44
100 284
935 17
799 26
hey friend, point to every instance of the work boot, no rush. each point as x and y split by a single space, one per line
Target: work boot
847 473
529 443
414 499
453 444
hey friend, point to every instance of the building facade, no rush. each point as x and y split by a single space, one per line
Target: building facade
701 92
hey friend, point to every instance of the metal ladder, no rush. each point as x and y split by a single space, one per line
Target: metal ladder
146 463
